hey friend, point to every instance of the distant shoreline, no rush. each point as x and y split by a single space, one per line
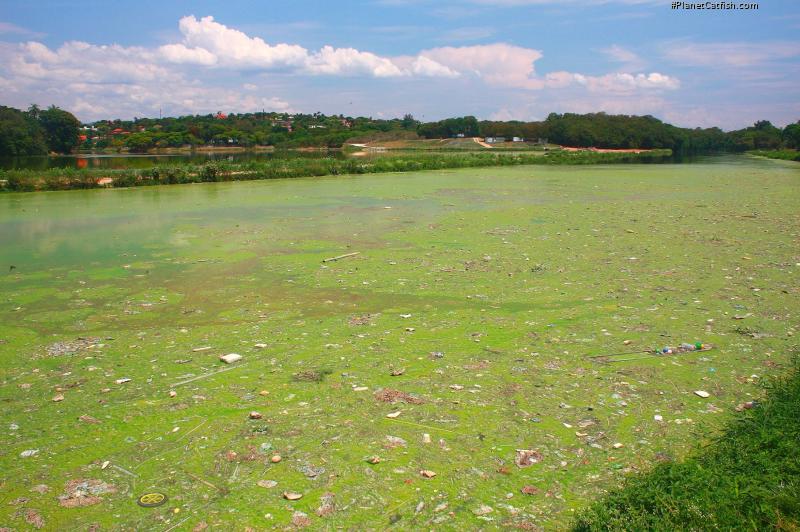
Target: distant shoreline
214 171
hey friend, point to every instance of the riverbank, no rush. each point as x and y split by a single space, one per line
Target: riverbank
66 178
750 474
784 155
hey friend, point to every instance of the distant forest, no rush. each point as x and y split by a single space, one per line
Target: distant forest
53 130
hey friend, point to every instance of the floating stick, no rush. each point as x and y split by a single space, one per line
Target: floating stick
332 259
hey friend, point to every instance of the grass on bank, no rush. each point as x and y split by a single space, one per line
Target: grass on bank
67 178
746 479
785 155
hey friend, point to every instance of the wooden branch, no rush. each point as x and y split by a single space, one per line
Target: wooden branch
332 259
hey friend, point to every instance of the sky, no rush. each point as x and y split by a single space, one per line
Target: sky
493 59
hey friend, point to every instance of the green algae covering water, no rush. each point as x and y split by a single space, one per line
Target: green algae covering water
437 379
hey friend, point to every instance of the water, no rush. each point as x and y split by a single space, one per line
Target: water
512 273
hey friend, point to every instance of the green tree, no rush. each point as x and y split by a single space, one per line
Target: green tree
791 135
60 129
140 142
20 134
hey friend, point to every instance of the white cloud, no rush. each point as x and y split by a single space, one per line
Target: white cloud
80 61
497 64
7 28
425 66
179 53
184 76
629 60
209 43
624 82
204 38
349 61
730 54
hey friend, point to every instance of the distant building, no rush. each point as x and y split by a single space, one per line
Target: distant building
286 124
494 140
220 115
517 139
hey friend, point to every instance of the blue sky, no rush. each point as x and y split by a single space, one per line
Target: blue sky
500 59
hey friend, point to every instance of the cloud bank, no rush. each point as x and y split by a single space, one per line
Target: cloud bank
185 75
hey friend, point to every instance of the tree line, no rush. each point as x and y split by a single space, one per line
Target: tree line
602 130
37 132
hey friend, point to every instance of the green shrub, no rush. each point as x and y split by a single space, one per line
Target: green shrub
748 478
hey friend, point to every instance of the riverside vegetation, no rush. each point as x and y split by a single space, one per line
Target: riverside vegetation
65 178
746 478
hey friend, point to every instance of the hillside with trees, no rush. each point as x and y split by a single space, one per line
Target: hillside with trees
37 132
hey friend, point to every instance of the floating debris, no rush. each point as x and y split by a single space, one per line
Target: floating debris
151 500
84 492
311 375
527 457
311 471
33 518
339 257
388 395
292 496
483 510
327 504
395 441
230 358
360 320
72 347
746 406
300 519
